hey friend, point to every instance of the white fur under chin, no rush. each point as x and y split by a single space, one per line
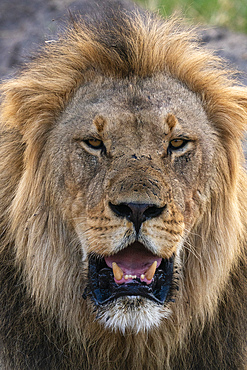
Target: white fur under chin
132 313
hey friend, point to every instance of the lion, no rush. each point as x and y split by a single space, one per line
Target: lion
123 202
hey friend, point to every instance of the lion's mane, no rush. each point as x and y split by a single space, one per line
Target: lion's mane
42 323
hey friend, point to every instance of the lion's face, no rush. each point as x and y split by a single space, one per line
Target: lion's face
133 172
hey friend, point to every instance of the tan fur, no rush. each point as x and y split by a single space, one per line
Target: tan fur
53 213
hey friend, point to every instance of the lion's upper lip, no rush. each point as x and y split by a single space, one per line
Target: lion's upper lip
133 261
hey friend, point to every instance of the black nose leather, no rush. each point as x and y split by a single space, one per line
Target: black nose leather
136 212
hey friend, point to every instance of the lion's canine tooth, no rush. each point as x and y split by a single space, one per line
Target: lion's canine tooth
151 271
117 272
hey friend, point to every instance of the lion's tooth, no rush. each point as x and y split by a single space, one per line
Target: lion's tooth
117 272
142 276
151 271
126 277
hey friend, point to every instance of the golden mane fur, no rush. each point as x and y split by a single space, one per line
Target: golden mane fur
41 277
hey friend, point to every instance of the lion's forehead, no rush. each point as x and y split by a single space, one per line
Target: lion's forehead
137 106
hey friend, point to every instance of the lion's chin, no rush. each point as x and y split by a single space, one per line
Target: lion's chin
132 314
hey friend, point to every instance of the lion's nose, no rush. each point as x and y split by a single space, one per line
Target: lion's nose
136 212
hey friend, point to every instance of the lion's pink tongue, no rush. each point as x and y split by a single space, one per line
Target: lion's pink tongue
134 261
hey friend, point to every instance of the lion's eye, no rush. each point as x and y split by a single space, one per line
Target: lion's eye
95 143
177 144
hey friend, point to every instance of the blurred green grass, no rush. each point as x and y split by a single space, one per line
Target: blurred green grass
226 13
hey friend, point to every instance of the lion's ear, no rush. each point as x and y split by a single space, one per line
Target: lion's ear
227 109
240 93
238 112
26 101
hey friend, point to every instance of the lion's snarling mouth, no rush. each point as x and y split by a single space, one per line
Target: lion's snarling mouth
134 271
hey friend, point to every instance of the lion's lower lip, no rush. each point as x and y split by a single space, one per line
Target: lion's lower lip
102 288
